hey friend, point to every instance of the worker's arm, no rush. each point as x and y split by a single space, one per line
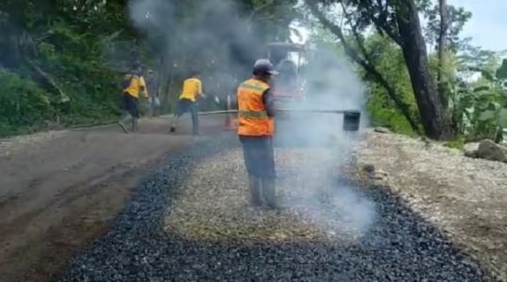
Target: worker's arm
267 98
199 88
142 87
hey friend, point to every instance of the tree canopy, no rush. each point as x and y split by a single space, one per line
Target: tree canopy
60 61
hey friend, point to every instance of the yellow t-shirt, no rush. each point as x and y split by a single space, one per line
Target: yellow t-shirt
137 86
192 87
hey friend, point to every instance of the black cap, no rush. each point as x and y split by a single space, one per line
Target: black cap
264 66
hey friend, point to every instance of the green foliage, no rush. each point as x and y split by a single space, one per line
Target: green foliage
53 73
501 72
72 52
60 60
480 111
457 18
458 143
386 115
388 59
398 21
24 106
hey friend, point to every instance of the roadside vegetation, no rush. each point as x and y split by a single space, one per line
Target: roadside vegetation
60 61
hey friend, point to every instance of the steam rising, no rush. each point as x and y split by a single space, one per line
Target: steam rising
330 84
213 37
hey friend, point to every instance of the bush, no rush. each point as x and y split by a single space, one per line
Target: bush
458 143
25 107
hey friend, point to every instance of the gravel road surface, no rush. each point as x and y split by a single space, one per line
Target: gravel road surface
190 221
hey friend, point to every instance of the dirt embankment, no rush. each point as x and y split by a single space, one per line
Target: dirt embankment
465 197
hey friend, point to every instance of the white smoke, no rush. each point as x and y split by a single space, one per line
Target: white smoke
331 84
204 40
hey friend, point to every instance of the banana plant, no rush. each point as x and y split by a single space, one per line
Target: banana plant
481 112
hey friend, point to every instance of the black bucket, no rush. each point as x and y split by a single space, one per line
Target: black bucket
351 120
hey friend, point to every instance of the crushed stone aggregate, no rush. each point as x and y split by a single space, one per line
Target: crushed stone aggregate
399 246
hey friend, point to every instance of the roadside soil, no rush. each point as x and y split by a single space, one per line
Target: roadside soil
59 190
466 198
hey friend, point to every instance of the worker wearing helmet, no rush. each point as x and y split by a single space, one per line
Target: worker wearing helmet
255 131
192 89
133 86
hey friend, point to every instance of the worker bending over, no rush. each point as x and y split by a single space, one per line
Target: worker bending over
133 86
192 89
255 131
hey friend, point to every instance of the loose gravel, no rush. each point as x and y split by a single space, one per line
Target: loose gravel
190 221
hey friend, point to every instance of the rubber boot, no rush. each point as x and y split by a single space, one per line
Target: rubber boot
269 193
126 119
173 126
254 184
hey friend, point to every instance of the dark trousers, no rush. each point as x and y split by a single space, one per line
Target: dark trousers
186 105
258 153
130 104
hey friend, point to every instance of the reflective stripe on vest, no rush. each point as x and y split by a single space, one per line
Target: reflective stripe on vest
252 87
253 114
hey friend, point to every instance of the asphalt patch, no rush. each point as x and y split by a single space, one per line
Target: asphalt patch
401 246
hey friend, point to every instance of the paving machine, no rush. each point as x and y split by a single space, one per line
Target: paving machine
294 107
303 120
288 86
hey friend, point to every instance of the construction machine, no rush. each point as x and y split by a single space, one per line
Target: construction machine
297 116
288 85
288 89
291 91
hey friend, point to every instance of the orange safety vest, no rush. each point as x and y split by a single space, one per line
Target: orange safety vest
253 119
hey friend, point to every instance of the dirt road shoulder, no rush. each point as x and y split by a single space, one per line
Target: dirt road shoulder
60 189
464 197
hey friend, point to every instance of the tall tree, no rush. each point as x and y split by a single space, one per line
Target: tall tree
399 20
354 47
444 25
442 38
455 19
433 117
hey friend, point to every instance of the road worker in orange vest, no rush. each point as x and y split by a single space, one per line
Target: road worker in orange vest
255 131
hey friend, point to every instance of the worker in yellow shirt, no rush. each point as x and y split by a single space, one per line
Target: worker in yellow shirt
192 89
133 86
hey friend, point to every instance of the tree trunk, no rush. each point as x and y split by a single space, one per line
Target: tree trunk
433 118
365 63
442 38
166 80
